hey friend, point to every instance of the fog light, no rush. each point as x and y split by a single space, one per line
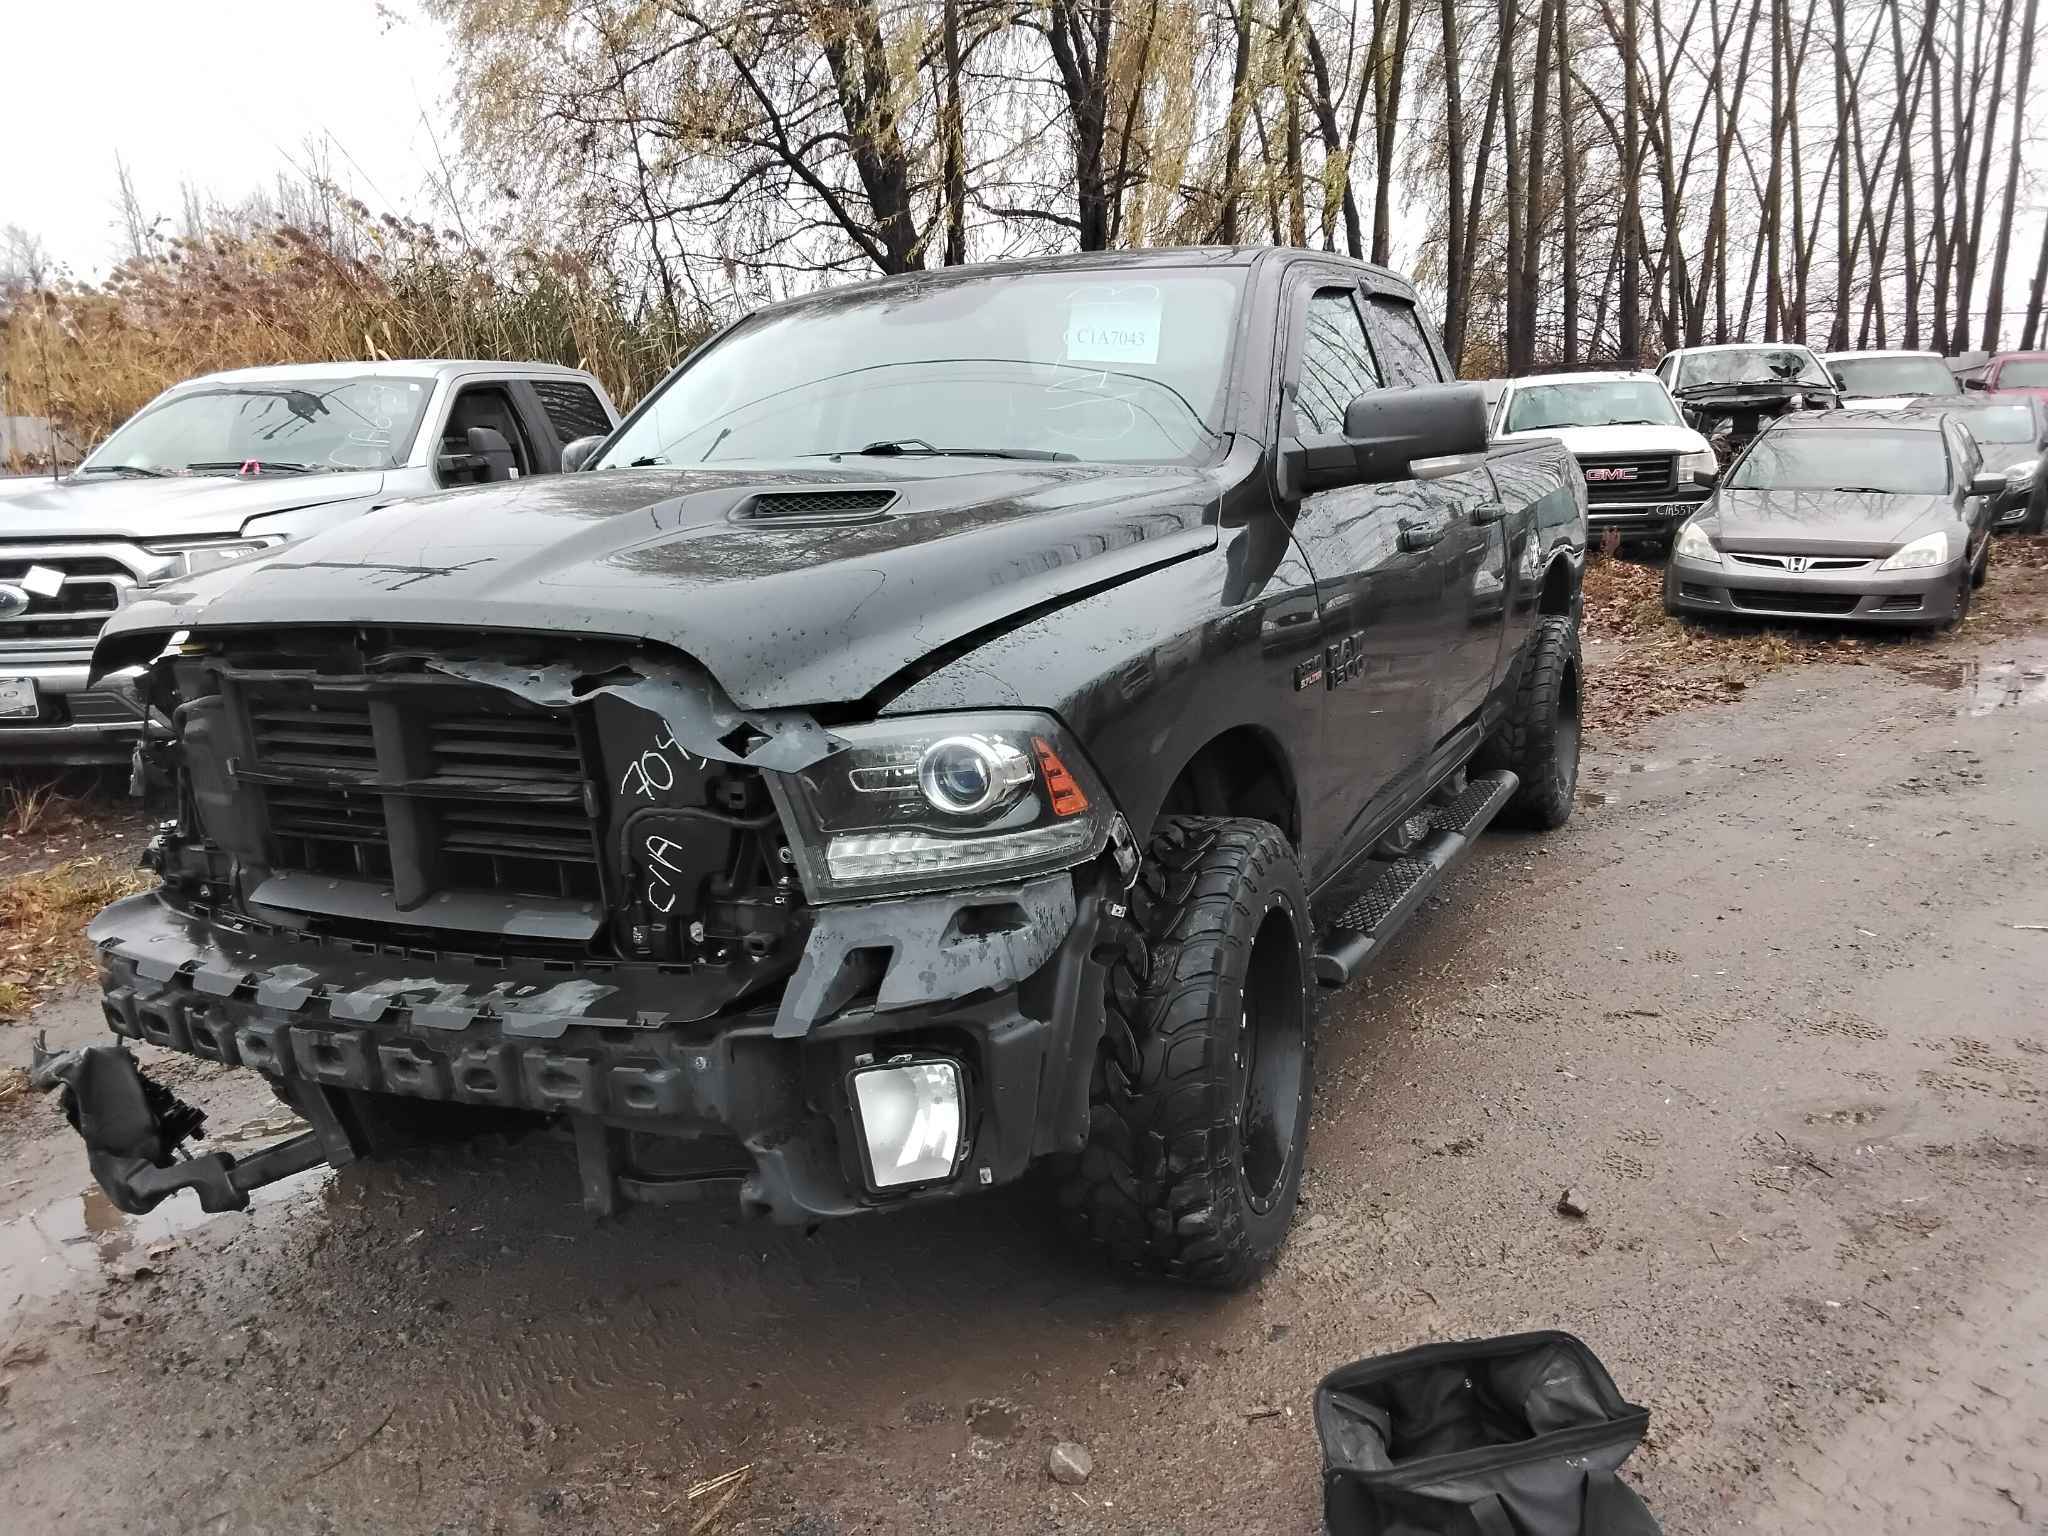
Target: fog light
909 1116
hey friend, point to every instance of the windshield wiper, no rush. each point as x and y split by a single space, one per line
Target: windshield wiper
263 466
917 447
1863 490
123 469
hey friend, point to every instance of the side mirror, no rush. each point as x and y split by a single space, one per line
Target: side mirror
487 445
1986 482
1385 432
1977 383
1840 382
576 454
1707 477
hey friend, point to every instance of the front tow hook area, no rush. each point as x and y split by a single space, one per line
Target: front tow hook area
135 1130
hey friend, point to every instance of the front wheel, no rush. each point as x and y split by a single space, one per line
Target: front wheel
1983 566
1539 739
1198 1115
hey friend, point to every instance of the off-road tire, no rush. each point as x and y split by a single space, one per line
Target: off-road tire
1193 1160
1539 739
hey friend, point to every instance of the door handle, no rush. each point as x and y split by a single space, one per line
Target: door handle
1420 535
1487 512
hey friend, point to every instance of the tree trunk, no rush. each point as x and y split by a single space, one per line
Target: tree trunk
1774 189
1233 145
2034 336
1454 154
1994 305
1387 124
1845 232
1629 337
1568 156
1336 147
955 170
1511 151
1534 178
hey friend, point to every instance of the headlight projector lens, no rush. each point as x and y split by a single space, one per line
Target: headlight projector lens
967 775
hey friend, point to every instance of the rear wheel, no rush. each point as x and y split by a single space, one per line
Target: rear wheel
1198 1118
1539 739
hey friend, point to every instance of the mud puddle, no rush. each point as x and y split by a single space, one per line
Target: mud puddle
81 1239
1985 687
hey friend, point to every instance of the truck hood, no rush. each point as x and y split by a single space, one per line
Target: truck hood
788 603
176 506
1824 522
1632 439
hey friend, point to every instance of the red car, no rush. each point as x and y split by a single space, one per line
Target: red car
2023 373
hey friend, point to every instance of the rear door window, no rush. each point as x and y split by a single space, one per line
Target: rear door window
573 408
1398 338
1336 362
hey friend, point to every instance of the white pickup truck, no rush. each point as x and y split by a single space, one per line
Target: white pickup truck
230 466
1630 440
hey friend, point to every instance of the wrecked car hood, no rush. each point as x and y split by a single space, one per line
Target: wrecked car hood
793 586
125 506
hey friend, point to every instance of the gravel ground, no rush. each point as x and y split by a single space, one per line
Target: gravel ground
1770 1006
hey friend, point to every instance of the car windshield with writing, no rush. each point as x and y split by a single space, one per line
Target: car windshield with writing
1591 403
1738 366
1886 463
1874 376
308 424
1127 368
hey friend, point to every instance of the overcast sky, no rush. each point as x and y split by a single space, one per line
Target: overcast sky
220 93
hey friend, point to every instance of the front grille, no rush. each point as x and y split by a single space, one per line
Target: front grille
62 625
1628 477
1801 562
419 782
1795 602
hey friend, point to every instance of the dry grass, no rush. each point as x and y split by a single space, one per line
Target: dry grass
42 926
1640 663
89 357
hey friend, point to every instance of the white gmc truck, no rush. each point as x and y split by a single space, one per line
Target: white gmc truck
1630 440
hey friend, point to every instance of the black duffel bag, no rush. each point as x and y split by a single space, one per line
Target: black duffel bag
1491 1437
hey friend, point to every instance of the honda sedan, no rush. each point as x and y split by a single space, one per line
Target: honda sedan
1863 516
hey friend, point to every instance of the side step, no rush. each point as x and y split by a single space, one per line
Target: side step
1376 913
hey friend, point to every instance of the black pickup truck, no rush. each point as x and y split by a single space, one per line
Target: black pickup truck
955 724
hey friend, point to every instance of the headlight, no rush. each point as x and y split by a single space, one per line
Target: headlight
1929 549
1690 464
1694 544
927 803
199 557
2021 473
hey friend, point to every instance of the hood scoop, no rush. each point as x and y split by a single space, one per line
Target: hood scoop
857 505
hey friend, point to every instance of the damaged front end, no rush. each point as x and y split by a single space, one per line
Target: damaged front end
404 869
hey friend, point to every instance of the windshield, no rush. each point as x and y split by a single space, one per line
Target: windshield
2028 375
1123 368
1597 403
1751 365
1998 423
1895 463
338 423
1871 376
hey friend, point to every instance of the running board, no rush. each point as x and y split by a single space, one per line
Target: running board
1376 914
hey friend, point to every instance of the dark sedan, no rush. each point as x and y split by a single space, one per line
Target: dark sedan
2012 434
1869 516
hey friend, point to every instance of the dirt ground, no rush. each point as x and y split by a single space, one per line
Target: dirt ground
1771 1007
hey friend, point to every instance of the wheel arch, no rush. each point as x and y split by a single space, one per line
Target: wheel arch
1240 771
